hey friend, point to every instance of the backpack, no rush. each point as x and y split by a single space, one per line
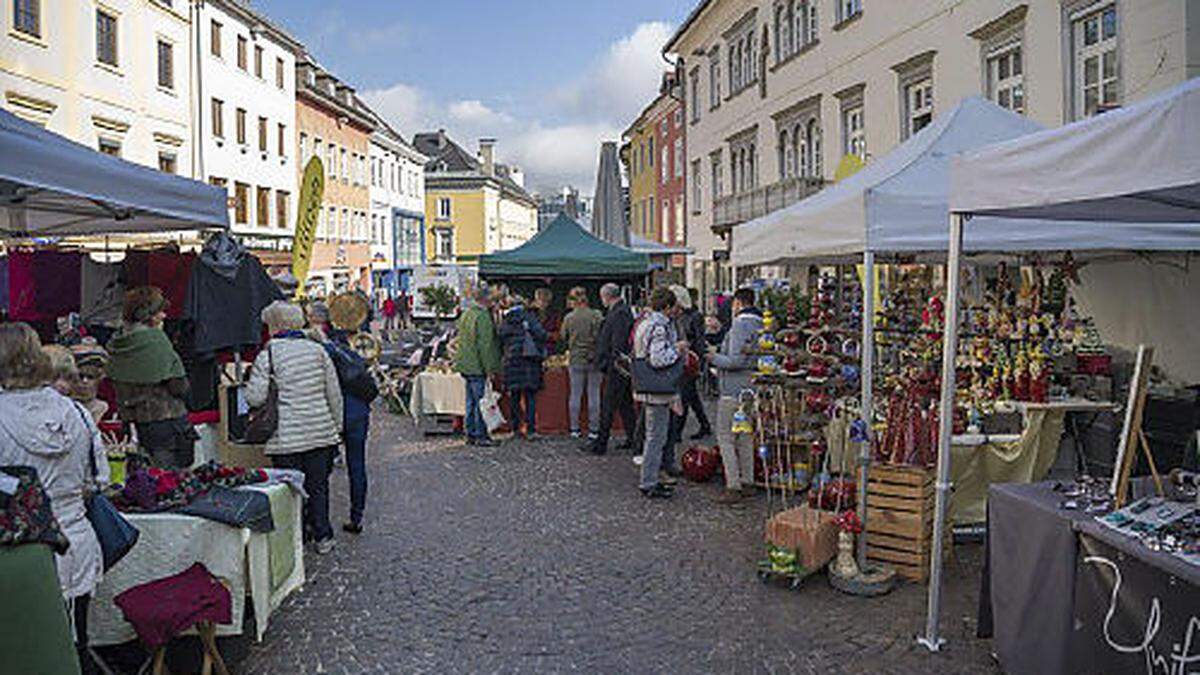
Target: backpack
353 374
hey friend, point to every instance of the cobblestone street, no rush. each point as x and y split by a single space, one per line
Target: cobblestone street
533 557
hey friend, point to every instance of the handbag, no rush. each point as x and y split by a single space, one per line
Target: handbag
650 380
529 346
117 536
263 419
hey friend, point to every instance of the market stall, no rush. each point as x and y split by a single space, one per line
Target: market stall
562 256
889 212
1136 188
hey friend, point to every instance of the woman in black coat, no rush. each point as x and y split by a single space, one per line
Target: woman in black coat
523 345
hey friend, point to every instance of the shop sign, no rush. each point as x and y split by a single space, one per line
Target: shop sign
312 189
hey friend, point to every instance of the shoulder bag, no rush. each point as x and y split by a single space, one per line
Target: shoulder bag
263 419
650 380
117 536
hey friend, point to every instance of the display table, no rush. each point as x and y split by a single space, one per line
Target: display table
438 394
267 566
1061 593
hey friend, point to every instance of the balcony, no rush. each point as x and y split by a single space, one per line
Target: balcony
732 210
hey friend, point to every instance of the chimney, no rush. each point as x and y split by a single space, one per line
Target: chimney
441 141
487 155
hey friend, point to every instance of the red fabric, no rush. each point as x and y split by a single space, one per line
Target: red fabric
171 272
161 609
389 308
43 285
204 417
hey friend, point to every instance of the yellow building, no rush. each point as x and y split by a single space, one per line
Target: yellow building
473 205
637 154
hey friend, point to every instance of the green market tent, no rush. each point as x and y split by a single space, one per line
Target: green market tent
565 249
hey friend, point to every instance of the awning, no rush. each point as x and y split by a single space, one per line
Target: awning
53 187
565 249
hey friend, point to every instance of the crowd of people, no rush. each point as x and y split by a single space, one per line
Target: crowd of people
645 366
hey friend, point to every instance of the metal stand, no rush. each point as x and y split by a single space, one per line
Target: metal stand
931 640
867 355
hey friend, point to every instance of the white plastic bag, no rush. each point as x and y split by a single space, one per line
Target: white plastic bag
489 408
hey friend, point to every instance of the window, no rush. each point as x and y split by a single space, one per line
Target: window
166 65
106 38
218 118
262 134
678 118
715 184
848 9
714 78
214 38
281 208
443 208
241 126
262 207
280 133
677 227
806 30
331 161
810 149
27 17
344 225
649 224
258 59
854 133
918 106
697 187
443 244
217 181
331 224
241 203
279 73
650 152
664 224
664 168
110 147
1005 78
783 31
166 162
1095 67
678 159
303 147
342 168
694 98
241 52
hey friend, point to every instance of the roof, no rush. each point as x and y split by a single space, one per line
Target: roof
686 25
651 247
462 166
565 249
52 186
246 13
318 94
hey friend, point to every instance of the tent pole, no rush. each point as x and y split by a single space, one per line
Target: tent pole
931 640
867 354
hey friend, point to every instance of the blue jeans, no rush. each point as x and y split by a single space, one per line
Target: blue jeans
658 423
356 465
476 429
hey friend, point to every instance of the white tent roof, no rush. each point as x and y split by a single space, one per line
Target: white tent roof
51 186
1139 164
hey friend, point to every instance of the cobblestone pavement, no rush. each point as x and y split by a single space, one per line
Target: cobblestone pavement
533 557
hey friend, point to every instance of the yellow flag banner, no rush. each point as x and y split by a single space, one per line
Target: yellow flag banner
308 210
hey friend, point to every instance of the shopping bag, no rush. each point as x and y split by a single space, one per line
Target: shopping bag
489 408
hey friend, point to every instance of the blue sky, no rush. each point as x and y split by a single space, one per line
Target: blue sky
549 79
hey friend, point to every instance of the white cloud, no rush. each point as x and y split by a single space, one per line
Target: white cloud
592 108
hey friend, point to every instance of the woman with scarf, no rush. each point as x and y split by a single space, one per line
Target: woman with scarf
151 384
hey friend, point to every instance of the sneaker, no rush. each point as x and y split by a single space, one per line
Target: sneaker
576 435
729 496
532 436
483 443
325 545
352 528
637 460
657 492
593 436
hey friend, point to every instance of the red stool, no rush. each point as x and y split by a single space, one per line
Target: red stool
160 610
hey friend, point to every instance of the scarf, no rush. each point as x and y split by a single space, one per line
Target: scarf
143 355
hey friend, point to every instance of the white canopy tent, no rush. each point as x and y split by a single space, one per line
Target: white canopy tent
53 187
1128 178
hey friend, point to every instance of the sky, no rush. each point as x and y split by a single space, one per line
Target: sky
549 80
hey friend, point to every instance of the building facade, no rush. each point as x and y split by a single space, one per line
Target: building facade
779 92
397 194
113 76
245 107
334 127
473 206
566 201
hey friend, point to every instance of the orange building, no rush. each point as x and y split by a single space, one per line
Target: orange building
336 127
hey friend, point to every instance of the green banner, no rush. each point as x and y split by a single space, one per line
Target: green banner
308 210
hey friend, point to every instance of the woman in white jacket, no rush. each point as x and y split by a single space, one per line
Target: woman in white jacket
656 340
41 428
310 410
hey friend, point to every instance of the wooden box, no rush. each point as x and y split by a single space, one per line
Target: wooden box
900 509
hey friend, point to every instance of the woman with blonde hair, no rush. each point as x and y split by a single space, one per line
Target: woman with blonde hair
310 410
43 429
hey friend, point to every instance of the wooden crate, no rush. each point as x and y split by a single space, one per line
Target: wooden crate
900 509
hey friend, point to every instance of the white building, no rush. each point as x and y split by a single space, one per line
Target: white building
111 76
779 92
245 108
397 192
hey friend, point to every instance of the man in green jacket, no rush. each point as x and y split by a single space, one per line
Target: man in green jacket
478 356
